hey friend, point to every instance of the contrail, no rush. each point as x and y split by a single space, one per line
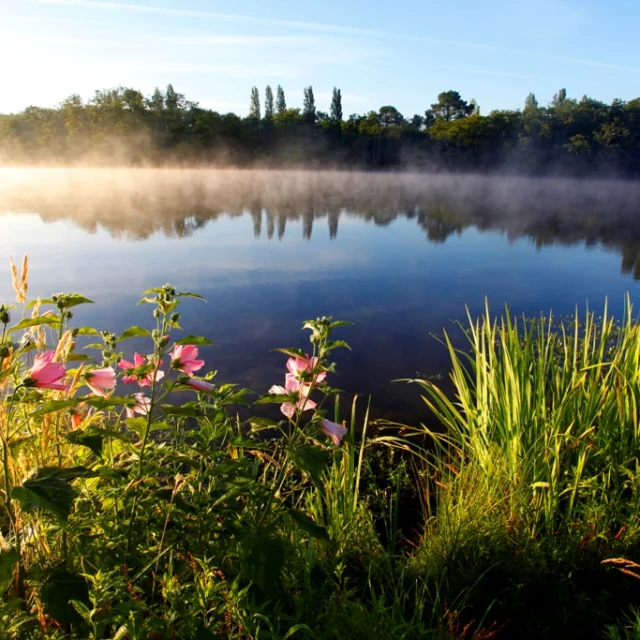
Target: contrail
139 8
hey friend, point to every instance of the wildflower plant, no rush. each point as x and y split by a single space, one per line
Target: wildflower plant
115 481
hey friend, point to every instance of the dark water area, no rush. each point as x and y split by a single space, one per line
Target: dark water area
399 255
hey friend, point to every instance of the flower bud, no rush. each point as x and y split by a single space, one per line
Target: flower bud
156 313
5 351
175 318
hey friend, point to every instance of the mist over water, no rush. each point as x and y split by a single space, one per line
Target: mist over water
400 255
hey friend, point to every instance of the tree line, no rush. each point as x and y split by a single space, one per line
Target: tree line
121 125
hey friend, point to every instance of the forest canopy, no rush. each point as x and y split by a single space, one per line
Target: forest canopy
122 126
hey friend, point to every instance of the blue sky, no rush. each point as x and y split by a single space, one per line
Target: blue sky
378 53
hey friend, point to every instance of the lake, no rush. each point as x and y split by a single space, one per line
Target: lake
399 255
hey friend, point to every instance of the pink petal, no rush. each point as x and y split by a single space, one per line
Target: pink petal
125 364
335 431
288 409
276 390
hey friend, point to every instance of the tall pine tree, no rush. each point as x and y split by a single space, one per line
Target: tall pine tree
336 106
254 105
309 105
281 103
268 103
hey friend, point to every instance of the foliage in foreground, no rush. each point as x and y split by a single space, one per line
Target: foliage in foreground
153 515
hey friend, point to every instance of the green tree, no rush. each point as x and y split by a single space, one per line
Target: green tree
254 104
281 103
268 103
336 106
451 106
309 105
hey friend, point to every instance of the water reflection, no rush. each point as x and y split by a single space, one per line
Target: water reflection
399 255
133 205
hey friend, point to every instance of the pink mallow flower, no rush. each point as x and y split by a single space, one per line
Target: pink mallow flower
299 366
199 385
183 358
292 385
139 361
101 381
46 374
142 406
333 430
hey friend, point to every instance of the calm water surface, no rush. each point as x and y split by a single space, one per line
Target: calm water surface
398 256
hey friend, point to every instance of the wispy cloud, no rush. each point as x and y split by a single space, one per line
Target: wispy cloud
167 11
332 28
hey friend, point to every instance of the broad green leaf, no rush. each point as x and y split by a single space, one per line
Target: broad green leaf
78 357
87 331
312 460
58 590
94 345
194 340
90 438
108 403
152 290
166 493
57 405
187 411
8 565
36 322
54 495
70 300
134 332
65 473
308 525
273 399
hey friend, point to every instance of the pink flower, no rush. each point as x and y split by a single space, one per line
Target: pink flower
335 431
100 381
299 366
183 358
199 385
45 374
139 361
294 386
142 406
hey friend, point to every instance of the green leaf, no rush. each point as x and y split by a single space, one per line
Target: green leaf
194 340
152 290
94 345
36 322
54 495
294 353
189 294
58 591
335 344
65 473
273 398
70 300
33 303
90 438
56 405
308 525
264 557
312 460
78 357
134 332
8 565
108 403
188 411
87 331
